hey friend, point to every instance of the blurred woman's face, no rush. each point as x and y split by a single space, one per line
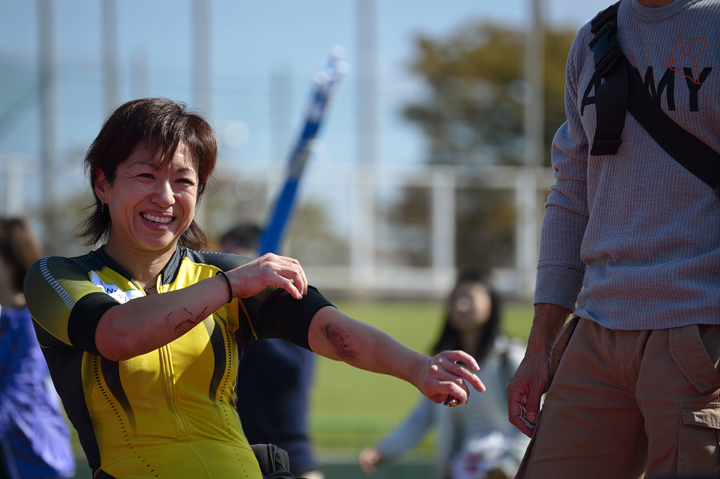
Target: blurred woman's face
151 203
471 306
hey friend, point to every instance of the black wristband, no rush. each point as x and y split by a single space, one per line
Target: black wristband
229 285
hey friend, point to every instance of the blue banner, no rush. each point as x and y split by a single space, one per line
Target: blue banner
325 81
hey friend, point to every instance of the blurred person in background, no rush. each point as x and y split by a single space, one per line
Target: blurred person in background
143 335
275 377
34 438
475 441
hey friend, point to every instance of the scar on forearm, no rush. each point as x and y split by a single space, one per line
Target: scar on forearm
192 321
339 339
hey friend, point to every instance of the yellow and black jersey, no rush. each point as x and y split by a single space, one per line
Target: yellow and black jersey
169 413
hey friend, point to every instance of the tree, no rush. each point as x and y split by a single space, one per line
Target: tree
473 113
472 116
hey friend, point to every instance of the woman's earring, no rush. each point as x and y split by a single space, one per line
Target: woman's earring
102 207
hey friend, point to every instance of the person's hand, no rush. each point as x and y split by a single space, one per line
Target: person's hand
369 458
496 473
525 390
440 376
532 378
268 270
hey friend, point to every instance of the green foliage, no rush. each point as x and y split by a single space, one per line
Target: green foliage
311 239
473 113
485 236
58 224
472 116
409 220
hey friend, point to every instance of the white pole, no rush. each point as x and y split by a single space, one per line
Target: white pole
48 116
111 69
15 190
202 72
526 197
363 244
202 56
443 229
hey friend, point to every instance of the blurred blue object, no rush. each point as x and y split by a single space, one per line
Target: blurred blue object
325 81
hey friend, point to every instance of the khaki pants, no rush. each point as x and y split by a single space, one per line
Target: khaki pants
622 404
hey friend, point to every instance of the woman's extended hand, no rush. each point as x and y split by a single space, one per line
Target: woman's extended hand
441 376
268 270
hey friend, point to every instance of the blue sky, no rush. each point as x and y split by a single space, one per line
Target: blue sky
250 41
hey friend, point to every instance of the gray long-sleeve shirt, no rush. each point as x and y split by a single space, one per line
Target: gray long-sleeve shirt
635 238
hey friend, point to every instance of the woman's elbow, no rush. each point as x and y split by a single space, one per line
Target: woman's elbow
114 343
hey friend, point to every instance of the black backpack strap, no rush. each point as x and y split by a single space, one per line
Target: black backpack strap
611 94
687 149
623 89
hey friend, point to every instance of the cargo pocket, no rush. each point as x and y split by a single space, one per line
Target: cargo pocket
699 448
690 352
560 346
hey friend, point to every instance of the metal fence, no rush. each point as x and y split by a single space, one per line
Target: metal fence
341 231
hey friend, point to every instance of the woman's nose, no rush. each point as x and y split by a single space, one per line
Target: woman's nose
164 195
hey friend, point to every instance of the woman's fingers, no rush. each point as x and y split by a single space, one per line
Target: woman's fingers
450 362
461 356
270 270
448 380
458 390
286 273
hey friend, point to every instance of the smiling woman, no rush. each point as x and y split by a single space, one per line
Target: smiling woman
143 335
149 132
152 200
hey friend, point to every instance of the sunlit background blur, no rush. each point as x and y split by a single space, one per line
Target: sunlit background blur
433 157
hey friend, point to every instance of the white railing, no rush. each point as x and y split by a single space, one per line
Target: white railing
350 194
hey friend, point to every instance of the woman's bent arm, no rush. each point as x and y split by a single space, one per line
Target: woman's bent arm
145 324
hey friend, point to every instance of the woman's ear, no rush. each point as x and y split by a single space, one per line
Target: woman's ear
101 185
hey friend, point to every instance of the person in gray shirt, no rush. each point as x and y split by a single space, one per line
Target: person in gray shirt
630 246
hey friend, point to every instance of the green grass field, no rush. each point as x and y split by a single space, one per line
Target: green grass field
350 408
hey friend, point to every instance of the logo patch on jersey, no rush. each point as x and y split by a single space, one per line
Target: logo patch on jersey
113 290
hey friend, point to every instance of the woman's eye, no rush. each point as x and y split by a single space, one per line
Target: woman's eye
186 181
145 175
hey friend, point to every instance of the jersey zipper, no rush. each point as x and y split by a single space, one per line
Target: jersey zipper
169 378
170 391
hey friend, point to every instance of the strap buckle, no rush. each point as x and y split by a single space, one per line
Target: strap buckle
605 48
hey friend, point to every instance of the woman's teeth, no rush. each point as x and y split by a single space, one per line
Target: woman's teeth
161 220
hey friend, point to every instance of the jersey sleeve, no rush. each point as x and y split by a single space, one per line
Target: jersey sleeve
274 313
65 305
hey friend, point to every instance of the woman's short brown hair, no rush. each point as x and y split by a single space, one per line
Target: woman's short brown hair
19 248
162 125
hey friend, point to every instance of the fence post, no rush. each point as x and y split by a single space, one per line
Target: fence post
443 227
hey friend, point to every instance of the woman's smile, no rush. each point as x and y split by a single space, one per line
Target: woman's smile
158 220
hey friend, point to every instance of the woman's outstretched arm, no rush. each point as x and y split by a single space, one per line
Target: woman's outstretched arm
337 336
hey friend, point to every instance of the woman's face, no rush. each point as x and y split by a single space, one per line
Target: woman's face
470 307
151 204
